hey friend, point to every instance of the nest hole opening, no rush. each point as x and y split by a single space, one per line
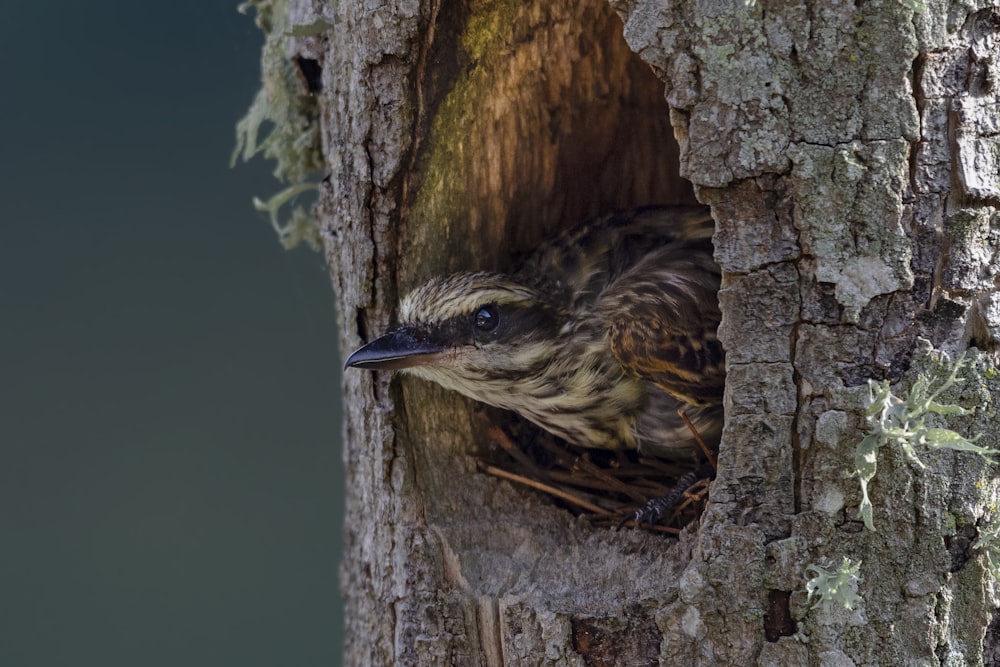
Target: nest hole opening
537 118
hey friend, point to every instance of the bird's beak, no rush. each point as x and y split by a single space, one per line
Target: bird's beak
401 348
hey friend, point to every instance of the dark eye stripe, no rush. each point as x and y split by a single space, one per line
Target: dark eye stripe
495 324
516 323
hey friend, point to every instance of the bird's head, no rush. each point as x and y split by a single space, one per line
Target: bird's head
476 333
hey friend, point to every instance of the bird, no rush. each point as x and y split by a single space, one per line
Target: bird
602 336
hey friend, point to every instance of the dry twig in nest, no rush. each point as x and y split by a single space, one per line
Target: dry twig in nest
602 486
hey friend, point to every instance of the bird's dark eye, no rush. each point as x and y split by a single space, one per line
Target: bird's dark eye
487 318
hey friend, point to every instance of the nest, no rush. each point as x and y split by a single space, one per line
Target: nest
605 487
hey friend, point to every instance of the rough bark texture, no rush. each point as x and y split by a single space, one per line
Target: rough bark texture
850 154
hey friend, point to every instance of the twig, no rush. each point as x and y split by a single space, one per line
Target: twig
559 493
503 440
701 443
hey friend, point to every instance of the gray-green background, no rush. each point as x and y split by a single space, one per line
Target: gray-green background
170 486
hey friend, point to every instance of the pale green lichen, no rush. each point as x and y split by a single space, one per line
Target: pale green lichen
301 227
989 544
282 124
834 585
903 423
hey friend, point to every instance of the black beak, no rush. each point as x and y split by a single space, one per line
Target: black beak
402 348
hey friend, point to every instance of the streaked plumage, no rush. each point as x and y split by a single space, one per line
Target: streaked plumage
599 337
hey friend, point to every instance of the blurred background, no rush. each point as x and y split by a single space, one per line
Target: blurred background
170 484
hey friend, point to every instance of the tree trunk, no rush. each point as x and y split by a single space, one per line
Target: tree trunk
850 154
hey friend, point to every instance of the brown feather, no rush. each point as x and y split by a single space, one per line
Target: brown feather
662 317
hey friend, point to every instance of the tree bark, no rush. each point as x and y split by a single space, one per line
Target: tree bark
850 154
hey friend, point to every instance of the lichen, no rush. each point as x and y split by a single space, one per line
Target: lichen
903 422
282 124
834 585
989 544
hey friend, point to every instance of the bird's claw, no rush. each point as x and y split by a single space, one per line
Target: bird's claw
655 509
650 513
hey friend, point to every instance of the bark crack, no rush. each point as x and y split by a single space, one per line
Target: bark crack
419 92
799 400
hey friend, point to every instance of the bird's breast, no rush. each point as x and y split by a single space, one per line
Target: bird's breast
582 395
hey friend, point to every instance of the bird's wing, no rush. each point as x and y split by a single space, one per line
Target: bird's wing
662 314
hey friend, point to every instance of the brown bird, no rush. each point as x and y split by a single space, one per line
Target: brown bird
599 337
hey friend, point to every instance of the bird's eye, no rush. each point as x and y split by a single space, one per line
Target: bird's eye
487 318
